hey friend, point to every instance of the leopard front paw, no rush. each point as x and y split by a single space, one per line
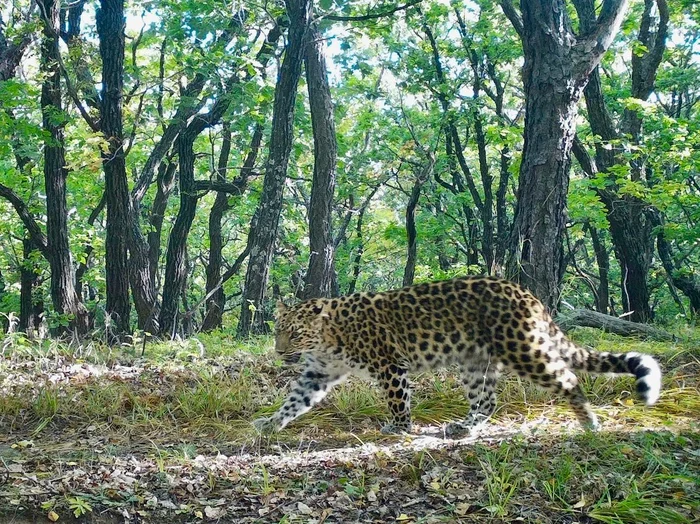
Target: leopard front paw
457 430
465 428
266 425
394 429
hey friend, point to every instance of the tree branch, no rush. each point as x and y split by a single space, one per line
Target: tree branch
233 188
371 16
584 158
513 16
591 46
35 233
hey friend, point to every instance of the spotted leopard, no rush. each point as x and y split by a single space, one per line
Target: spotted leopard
484 325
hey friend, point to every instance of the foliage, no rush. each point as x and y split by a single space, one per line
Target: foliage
389 118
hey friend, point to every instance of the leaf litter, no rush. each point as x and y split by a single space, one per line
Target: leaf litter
513 470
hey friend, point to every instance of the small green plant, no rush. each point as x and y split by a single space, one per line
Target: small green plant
46 403
502 480
557 486
79 506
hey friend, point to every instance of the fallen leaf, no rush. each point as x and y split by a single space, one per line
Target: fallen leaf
580 503
214 513
304 509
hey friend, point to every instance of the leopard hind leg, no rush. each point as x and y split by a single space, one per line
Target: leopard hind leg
479 378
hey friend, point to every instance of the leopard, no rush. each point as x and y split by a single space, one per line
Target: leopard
484 326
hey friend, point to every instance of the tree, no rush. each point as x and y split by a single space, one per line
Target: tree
319 276
63 294
631 219
263 228
110 28
556 66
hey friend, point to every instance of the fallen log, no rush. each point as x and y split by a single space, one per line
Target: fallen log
587 318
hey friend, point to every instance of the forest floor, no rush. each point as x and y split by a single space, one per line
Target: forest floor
110 436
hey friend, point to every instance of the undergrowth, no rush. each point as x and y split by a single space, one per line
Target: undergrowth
181 400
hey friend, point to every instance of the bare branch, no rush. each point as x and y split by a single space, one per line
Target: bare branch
584 158
233 188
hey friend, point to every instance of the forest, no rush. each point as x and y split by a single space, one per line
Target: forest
179 172
170 169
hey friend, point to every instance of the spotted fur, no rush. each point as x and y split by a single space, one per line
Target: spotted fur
482 324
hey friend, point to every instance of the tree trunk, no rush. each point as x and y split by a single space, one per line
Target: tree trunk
625 328
166 185
539 222
65 299
682 279
110 28
213 318
603 261
176 263
409 270
215 304
266 219
555 70
142 276
11 53
357 259
29 317
319 275
502 213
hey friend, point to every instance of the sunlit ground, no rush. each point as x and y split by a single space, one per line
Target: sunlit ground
114 436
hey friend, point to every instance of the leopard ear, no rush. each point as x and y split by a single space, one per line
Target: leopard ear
281 308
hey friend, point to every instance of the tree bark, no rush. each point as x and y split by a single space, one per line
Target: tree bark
266 219
555 71
411 232
175 265
29 312
110 28
63 295
165 186
409 271
319 276
11 52
215 304
603 261
357 259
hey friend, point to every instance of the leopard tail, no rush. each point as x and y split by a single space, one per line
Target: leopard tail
644 367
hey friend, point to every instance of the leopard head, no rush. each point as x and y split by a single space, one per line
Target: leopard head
299 329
